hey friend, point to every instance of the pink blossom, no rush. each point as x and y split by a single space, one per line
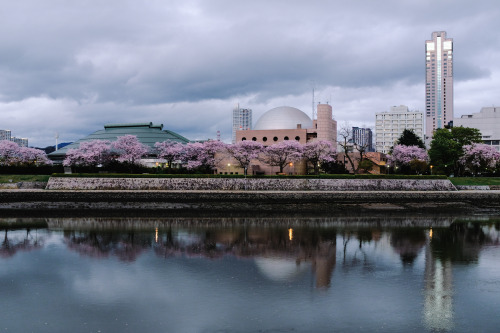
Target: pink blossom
244 152
403 155
209 154
129 149
12 154
479 157
169 150
282 153
89 153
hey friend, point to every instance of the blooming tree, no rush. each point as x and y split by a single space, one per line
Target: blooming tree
244 152
12 154
405 156
33 156
129 149
8 152
169 150
318 152
208 154
479 157
282 153
89 153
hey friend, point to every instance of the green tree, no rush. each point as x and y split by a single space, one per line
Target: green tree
409 138
446 148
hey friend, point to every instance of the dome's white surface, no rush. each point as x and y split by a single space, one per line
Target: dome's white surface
280 269
283 117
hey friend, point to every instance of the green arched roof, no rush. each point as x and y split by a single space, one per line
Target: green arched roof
147 133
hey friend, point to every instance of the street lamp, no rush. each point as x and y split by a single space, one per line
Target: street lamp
431 168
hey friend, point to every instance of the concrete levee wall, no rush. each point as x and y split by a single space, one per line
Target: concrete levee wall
249 184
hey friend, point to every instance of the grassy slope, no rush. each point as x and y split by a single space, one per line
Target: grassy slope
23 178
475 180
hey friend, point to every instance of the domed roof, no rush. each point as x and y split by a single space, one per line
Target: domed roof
283 117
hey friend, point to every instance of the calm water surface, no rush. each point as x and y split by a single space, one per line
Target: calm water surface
244 275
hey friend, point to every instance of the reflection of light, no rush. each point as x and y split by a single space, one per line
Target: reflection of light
290 233
430 233
156 235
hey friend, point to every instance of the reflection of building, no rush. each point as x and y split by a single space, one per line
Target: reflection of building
287 123
487 121
390 125
438 82
438 294
242 120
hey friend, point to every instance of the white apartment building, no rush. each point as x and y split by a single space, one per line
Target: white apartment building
242 120
390 125
487 121
5 135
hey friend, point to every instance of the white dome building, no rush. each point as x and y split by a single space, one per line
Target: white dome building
288 123
283 117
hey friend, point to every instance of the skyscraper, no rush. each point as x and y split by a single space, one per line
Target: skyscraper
363 137
438 82
242 120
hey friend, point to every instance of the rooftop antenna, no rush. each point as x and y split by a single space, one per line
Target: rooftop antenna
57 137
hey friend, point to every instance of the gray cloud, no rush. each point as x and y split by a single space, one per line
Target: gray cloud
186 63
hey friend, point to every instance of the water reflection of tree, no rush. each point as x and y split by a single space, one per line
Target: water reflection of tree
29 242
100 244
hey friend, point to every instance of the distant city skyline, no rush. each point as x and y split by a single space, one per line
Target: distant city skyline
71 67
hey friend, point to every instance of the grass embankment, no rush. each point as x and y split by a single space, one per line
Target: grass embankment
475 181
23 178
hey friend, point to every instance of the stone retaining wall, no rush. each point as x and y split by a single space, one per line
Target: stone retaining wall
250 184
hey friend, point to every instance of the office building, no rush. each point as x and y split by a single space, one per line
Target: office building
487 121
242 120
363 137
5 135
438 83
390 126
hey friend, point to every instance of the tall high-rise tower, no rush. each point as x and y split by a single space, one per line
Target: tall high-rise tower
438 82
242 120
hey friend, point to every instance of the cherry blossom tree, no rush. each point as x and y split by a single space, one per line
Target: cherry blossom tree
403 156
169 150
33 156
282 153
9 152
318 152
208 154
129 149
243 152
12 154
89 153
479 157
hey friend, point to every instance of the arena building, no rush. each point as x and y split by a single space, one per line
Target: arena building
146 133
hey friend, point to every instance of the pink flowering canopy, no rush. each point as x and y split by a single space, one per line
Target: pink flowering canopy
403 155
317 152
12 154
169 150
479 157
282 153
207 154
89 153
243 152
129 149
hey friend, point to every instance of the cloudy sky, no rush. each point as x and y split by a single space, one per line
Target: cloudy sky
69 67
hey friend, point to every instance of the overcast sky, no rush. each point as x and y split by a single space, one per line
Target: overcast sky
72 66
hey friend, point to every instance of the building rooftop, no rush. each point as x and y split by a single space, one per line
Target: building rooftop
147 133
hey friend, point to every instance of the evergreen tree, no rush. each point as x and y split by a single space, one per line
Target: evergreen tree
409 138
